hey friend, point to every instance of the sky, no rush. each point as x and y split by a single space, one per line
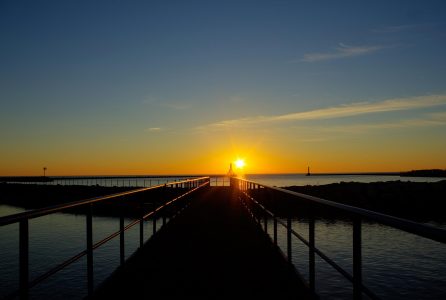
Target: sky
187 87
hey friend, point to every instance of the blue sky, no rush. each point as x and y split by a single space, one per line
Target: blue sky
82 78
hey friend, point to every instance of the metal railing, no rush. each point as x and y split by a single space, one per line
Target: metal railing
111 181
107 181
188 186
248 188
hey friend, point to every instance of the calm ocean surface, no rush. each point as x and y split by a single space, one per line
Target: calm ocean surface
396 265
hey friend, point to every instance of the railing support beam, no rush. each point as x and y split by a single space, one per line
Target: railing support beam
141 228
121 241
288 239
275 231
24 259
154 224
311 263
90 250
357 259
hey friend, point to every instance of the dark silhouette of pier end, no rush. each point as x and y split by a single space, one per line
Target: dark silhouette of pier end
213 250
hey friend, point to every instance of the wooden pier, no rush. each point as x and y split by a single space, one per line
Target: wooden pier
213 250
211 242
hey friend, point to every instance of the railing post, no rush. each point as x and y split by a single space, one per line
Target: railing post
357 259
265 219
311 260
141 228
24 259
275 231
154 224
288 238
121 240
90 250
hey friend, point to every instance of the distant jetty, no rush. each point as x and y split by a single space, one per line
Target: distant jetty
424 173
25 179
413 173
356 174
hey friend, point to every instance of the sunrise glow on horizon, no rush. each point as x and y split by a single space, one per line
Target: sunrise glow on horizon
161 88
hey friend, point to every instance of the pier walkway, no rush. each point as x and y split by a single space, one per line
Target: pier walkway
212 250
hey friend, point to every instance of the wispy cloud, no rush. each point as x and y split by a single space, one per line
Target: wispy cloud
361 128
153 129
439 116
346 110
319 134
343 51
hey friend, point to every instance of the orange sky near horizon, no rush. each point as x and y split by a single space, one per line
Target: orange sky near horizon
260 157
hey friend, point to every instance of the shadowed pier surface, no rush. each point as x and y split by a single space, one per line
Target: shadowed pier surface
212 250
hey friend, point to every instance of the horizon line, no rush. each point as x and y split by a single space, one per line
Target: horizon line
224 174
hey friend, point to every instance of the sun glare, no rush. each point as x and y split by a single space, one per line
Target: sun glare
239 163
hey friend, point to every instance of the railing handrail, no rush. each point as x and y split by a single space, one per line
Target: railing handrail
11 178
423 230
14 218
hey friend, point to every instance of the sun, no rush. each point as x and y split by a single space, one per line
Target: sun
239 163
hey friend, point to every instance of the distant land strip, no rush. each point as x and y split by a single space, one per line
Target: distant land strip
358 174
425 173
416 201
413 173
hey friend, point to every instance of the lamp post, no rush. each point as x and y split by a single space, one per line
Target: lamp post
44 171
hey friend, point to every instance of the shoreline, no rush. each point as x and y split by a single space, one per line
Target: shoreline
417 201
357 174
